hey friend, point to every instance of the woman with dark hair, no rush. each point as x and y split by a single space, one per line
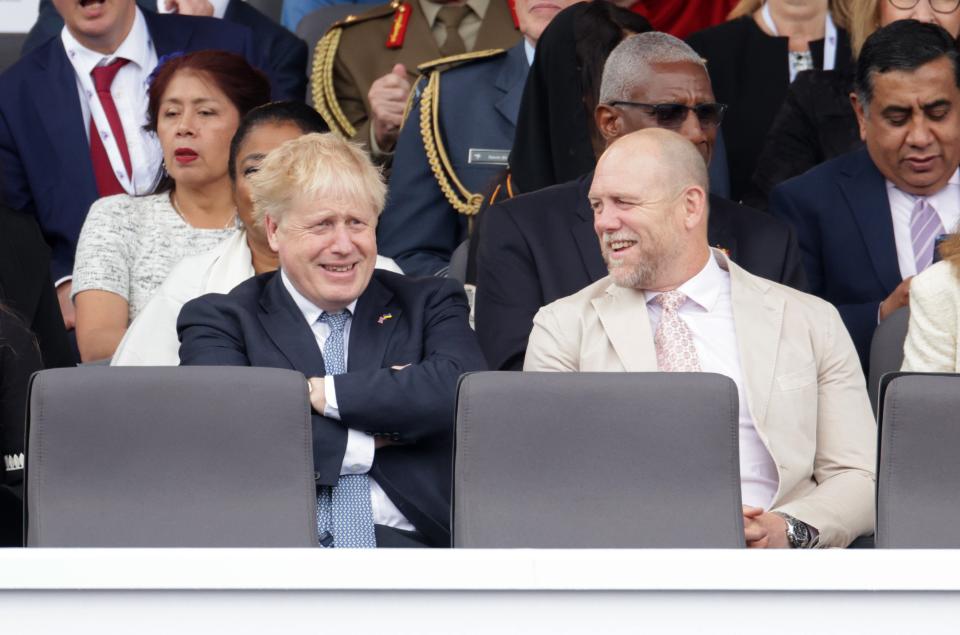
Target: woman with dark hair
151 339
933 335
129 244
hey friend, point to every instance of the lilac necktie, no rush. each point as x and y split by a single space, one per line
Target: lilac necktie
925 226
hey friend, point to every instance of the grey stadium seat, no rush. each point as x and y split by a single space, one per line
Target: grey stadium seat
886 351
578 460
170 457
918 476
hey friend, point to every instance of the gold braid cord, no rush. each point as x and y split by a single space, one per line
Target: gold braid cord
321 85
465 202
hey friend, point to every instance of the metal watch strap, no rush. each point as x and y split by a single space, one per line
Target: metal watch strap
798 532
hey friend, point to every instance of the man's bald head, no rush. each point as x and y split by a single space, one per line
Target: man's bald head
649 196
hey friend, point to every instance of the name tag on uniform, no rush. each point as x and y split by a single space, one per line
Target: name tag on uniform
486 156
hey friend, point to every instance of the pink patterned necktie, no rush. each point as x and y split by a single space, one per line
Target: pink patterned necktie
676 352
925 226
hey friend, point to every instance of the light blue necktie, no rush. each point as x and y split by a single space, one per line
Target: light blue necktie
343 511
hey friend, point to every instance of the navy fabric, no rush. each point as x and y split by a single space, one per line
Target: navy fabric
398 321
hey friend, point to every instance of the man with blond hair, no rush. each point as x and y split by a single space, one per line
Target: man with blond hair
382 352
671 303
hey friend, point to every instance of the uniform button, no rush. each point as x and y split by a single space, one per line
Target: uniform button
316 476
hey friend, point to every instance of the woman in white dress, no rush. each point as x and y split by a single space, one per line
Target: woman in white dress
933 336
129 244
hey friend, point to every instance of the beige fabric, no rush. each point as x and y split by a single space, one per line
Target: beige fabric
932 341
805 388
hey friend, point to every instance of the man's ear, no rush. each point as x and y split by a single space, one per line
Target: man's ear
609 122
272 228
860 110
694 206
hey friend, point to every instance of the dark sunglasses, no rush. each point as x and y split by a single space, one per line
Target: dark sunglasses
673 115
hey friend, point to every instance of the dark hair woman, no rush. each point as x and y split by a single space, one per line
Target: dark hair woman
128 245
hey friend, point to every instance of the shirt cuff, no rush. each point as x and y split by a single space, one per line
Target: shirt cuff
331 408
62 280
358 459
375 150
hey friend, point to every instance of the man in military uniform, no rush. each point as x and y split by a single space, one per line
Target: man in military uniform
442 163
363 66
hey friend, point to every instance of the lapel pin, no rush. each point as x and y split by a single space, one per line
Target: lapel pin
383 318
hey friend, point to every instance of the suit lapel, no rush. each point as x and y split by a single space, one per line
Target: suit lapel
865 191
510 81
167 40
420 45
285 325
719 233
623 314
757 321
58 104
584 234
373 324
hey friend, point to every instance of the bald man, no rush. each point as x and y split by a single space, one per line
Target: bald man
671 303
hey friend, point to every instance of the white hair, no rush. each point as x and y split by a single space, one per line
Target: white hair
634 54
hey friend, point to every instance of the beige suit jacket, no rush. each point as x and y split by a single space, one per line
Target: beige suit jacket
933 337
804 385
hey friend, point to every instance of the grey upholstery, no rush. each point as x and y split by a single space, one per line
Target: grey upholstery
458 262
314 26
170 457
10 45
886 351
918 477
570 460
269 8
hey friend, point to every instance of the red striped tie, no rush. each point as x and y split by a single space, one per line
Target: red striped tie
107 181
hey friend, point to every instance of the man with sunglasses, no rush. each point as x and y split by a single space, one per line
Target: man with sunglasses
538 247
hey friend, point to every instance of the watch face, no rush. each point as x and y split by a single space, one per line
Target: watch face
799 534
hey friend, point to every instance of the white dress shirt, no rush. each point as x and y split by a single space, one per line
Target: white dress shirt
219 7
530 50
358 458
129 91
708 312
947 204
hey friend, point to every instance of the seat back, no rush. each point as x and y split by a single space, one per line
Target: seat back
576 460
886 351
170 457
458 262
918 475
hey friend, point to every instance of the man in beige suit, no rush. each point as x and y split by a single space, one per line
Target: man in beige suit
670 303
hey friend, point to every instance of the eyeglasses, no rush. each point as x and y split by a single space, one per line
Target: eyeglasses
673 115
939 6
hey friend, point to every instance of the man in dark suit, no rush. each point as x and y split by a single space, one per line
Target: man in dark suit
541 246
47 110
427 211
383 352
283 53
867 221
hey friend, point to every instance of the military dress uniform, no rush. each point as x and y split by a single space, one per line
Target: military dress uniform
454 143
360 49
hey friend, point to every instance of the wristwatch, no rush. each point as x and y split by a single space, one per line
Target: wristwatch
798 533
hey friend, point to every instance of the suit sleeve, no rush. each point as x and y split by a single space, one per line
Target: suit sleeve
793 273
931 344
210 337
508 290
548 349
418 401
288 59
352 100
859 318
419 228
841 506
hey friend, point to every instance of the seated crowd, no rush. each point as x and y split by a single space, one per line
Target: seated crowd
587 190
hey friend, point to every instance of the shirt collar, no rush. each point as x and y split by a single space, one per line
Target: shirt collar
704 288
431 9
219 7
136 47
530 50
311 312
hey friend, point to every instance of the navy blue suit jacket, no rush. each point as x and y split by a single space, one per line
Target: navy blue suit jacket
282 52
45 164
539 247
479 102
842 217
258 324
